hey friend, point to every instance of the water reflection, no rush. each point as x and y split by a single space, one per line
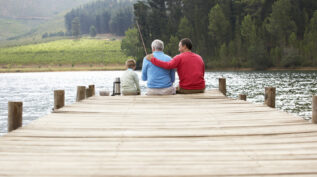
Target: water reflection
294 89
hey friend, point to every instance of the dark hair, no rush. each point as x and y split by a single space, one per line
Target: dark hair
188 43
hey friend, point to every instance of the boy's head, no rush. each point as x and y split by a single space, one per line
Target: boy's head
130 64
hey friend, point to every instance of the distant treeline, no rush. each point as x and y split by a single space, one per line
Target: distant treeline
227 33
106 16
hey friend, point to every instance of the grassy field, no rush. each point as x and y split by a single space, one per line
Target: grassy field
66 54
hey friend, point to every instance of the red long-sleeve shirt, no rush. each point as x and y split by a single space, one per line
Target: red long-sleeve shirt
190 69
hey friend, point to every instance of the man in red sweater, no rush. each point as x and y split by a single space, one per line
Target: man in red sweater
190 68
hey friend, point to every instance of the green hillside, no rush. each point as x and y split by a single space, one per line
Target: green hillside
10 27
24 22
61 53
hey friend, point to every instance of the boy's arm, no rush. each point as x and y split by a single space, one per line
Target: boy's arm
144 69
137 83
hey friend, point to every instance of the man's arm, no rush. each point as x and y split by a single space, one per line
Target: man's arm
172 75
144 69
166 65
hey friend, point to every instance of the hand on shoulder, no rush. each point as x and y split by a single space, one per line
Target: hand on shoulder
148 57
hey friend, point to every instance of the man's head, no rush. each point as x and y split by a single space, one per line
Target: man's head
130 64
157 45
185 45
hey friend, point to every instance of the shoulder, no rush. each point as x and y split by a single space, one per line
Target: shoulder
134 73
145 60
167 57
179 56
197 56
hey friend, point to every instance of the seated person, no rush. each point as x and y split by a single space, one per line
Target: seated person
130 80
159 81
190 68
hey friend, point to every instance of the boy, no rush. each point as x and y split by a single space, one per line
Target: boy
130 80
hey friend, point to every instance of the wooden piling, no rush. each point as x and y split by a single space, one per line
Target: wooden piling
59 99
243 97
222 86
15 110
314 118
81 93
270 93
87 93
92 90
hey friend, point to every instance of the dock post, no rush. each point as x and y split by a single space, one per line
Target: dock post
270 93
59 99
81 93
223 86
92 90
15 110
87 92
314 118
243 97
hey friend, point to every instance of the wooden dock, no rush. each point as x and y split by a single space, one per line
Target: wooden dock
183 135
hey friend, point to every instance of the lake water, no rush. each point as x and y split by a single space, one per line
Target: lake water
35 90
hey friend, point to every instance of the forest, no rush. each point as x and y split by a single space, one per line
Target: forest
257 34
105 16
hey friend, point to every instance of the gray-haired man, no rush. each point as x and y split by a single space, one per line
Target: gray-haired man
159 81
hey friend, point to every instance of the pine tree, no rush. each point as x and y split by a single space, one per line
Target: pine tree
76 27
92 31
184 29
280 23
219 26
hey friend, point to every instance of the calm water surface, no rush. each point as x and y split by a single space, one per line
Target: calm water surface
35 90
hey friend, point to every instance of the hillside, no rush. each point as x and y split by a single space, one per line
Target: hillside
26 9
65 54
26 21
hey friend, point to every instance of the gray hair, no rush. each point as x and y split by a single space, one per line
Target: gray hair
158 45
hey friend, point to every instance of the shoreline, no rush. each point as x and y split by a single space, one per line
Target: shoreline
269 69
122 67
29 69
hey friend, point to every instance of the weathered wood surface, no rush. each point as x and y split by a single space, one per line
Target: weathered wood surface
183 135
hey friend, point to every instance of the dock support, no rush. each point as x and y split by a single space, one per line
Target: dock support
87 93
243 97
92 90
81 93
15 110
222 86
314 118
270 93
59 99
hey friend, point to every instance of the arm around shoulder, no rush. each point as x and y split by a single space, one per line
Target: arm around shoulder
167 65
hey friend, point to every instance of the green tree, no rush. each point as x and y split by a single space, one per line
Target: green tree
172 47
132 47
280 24
92 31
76 27
248 30
258 56
310 48
219 26
184 29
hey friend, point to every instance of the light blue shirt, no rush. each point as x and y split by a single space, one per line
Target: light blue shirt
157 77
